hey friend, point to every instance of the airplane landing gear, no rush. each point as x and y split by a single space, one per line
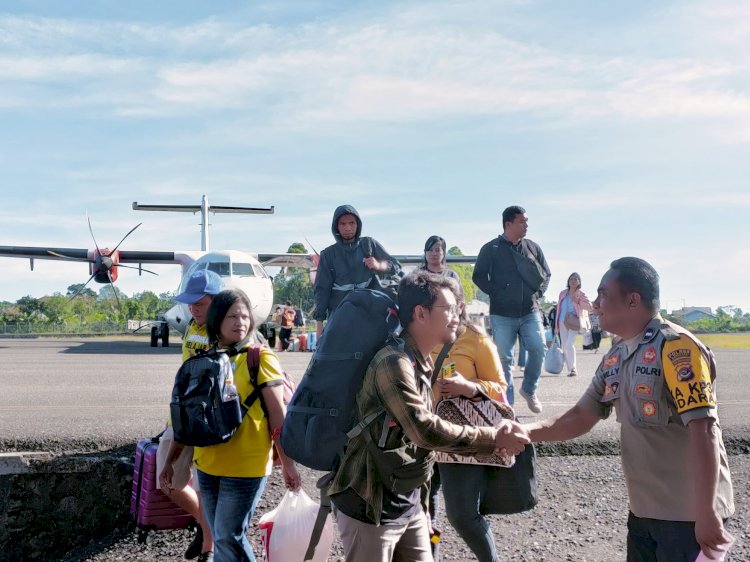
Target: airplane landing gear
160 332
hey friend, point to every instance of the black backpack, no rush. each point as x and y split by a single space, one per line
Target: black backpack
323 408
200 417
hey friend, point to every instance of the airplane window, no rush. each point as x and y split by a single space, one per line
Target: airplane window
220 268
259 271
242 269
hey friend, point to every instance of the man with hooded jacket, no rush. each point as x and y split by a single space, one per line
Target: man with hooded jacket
351 263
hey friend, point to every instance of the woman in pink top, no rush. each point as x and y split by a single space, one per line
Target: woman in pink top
572 301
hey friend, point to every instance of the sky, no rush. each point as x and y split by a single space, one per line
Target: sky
623 128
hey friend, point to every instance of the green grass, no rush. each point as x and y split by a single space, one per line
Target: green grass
714 341
737 341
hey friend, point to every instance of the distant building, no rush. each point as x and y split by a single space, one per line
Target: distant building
478 312
689 314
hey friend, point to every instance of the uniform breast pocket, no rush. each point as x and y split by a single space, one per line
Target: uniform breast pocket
652 409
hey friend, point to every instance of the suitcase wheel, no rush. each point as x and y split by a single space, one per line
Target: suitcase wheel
143 535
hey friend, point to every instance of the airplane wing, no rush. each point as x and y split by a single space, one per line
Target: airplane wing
39 253
310 261
307 261
419 259
83 254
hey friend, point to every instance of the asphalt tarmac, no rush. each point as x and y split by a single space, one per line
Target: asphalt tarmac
67 395
84 394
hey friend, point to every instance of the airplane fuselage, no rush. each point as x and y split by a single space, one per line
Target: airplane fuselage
238 270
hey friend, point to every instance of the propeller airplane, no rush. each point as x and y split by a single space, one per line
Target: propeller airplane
238 269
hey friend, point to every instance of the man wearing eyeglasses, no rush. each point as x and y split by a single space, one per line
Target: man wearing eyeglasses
380 511
512 270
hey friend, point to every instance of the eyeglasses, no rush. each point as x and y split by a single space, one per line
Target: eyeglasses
451 308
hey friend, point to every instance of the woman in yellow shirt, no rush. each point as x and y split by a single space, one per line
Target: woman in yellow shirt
232 475
478 369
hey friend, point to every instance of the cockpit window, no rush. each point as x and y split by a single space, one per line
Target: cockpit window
220 268
242 269
259 271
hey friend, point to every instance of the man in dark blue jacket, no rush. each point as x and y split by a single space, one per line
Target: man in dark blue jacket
351 263
513 272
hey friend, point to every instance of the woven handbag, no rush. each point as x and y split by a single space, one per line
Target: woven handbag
477 413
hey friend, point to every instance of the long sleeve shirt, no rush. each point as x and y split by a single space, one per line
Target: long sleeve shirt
401 387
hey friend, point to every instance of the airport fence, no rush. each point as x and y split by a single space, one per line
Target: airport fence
65 328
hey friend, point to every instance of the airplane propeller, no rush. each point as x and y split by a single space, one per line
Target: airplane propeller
105 263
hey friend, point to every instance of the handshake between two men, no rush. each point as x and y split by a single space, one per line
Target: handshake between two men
511 438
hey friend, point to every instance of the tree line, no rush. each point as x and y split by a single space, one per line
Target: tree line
291 284
87 307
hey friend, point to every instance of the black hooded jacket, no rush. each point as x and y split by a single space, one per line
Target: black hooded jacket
497 274
342 267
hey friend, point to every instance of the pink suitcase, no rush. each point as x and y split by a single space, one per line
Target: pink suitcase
149 506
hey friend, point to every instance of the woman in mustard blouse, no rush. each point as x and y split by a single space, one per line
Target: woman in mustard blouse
478 369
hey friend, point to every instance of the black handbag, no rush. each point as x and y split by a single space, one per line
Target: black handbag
511 490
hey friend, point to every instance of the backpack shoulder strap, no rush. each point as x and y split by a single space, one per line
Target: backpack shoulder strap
439 362
253 367
530 248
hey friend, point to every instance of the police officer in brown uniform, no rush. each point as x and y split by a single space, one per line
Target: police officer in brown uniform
660 380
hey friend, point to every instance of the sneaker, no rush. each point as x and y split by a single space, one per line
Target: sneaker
206 556
572 373
194 548
534 404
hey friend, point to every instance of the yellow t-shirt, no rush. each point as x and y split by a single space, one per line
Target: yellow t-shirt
476 358
248 454
195 340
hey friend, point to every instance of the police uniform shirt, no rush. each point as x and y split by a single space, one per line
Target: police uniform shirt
195 340
656 388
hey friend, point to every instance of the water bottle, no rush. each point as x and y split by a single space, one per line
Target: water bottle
230 391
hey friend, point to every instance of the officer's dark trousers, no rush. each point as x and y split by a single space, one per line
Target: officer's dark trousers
654 540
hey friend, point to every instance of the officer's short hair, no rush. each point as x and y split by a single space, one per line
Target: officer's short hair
420 288
510 214
638 276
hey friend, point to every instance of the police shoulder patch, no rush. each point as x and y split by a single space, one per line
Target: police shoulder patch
687 374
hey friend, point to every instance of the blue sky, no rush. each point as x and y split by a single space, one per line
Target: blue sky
622 128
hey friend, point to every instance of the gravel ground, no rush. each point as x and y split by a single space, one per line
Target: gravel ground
580 517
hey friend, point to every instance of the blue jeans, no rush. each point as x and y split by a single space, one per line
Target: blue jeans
229 504
529 328
521 353
463 488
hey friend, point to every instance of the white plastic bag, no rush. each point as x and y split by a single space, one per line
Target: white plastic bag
588 338
553 360
286 530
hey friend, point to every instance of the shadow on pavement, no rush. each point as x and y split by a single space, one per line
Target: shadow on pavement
123 348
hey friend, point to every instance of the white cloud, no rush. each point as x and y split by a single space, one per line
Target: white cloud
394 70
56 68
